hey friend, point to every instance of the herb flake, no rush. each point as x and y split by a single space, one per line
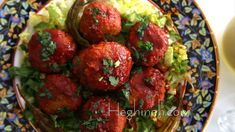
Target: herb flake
91 124
146 46
142 27
48 46
108 62
95 12
113 80
147 80
141 103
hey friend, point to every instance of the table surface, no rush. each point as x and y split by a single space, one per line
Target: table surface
218 14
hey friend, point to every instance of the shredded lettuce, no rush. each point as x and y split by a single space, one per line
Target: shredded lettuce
136 10
177 60
25 37
176 52
53 16
56 16
168 60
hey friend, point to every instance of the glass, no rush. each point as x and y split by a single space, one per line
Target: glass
226 121
228 45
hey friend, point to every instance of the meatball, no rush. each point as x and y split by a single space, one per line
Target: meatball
102 114
59 92
50 48
150 41
147 89
99 21
103 67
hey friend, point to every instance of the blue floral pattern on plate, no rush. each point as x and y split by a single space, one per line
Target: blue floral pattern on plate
189 21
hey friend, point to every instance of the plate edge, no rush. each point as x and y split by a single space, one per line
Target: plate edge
217 61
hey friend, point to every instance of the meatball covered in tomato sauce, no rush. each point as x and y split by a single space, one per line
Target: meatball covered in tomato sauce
98 21
105 114
59 92
150 41
103 67
50 47
147 89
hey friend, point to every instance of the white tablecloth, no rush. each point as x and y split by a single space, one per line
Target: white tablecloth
219 13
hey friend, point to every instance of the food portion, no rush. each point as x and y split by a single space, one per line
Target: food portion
150 41
96 66
100 21
147 89
58 93
102 114
103 67
50 48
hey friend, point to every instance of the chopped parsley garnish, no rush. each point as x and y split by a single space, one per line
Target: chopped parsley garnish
144 59
70 122
104 14
22 72
86 93
54 67
139 56
78 91
141 103
113 80
99 111
65 68
89 112
46 93
108 37
106 70
48 46
136 70
28 113
142 27
124 96
148 97
95 12
146 46
78 59
30 78
126 26
42 95
147 80
92 124
63 110
126 91
108 62
96 105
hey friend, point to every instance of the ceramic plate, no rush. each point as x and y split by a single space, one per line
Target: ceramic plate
188 19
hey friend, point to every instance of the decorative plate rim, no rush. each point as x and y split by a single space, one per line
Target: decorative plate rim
217 61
